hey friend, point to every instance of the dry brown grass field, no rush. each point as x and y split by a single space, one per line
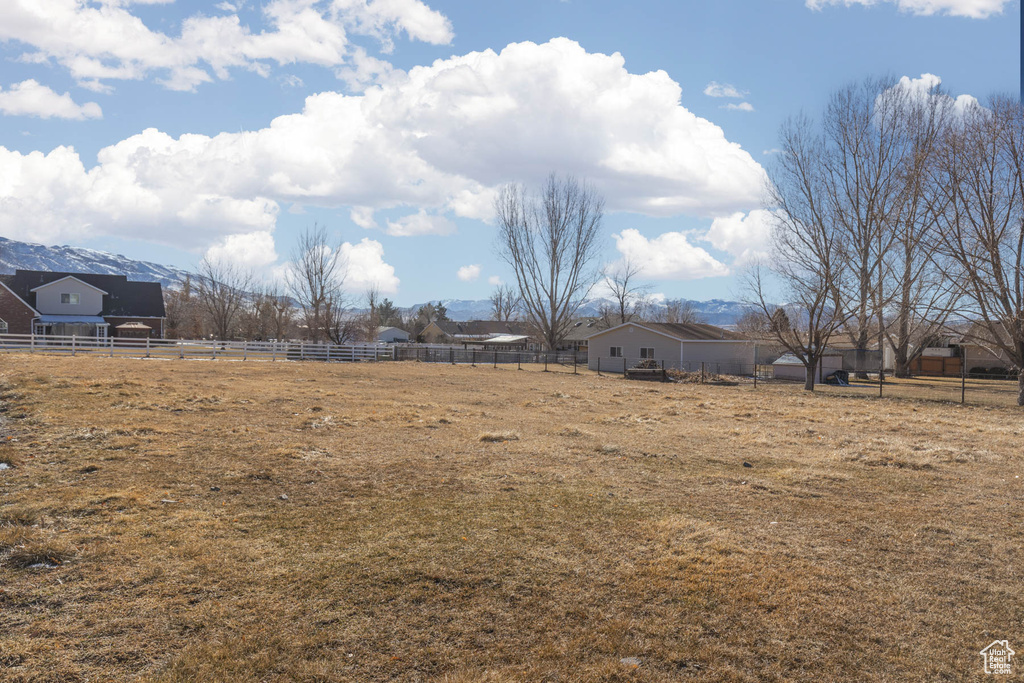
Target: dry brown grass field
228 521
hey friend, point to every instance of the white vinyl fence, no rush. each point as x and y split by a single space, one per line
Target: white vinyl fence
194 348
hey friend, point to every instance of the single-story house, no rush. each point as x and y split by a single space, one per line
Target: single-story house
392 335
675 345
475 332
80 304
789 366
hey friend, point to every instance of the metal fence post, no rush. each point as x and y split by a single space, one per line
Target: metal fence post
963 375
519 361
451 355
545 362
495 360
474 358
702 372
574 362
110 341
72 345
181 350
599 366
147 347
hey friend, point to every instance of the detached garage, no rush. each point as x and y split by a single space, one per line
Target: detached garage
676 345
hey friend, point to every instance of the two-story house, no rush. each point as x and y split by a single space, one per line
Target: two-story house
81 304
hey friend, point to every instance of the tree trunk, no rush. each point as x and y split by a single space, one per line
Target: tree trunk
809 371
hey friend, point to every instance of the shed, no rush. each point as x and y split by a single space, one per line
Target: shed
391 335
133 329
671 345
790 367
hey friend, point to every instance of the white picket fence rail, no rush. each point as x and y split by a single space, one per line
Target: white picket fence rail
194 348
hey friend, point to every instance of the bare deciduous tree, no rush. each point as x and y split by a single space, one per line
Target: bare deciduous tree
550 242
315 279
222 291
629 298
982 173
921 297
865 136
807 265
505 302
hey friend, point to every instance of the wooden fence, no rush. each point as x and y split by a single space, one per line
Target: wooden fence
194 348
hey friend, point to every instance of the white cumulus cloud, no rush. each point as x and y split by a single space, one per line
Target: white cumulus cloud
744 236
468 273
494 280
251 250
669 256
367 268
30 98
437 141
420 223
742 106
716 89
103 40
975 9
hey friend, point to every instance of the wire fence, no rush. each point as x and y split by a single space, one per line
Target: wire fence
989 386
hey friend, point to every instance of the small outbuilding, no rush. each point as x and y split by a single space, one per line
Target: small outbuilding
683 346
392 335
790 367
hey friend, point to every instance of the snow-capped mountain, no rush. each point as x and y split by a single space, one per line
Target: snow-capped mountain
28 256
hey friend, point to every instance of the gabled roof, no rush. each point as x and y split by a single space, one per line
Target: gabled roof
584 327
69 277
681 331
122 298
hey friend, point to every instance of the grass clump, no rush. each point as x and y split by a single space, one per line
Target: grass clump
498 437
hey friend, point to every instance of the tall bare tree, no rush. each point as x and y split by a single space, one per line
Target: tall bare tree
315 279
982 173
920 298
865 133
505 302
807 267
550 241
222 291
629 297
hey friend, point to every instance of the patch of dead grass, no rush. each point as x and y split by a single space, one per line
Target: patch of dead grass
409 549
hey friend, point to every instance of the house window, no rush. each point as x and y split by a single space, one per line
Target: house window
3 327
647 352
66 298
615 352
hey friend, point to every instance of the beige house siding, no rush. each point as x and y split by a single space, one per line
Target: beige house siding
673 352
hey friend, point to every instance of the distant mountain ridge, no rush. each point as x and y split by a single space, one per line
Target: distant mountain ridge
29 256
16 255
714 311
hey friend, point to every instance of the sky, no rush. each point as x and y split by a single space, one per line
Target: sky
173 130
